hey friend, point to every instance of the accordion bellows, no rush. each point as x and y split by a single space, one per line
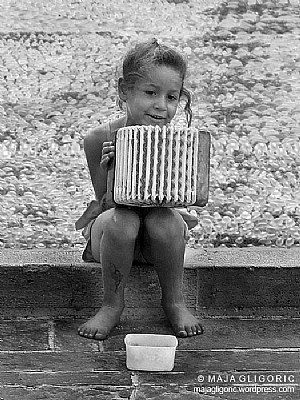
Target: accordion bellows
156 166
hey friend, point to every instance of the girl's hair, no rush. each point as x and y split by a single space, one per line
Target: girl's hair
141 58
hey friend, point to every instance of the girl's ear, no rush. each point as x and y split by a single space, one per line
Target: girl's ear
122 89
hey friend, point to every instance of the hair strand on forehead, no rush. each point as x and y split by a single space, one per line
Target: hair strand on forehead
187 109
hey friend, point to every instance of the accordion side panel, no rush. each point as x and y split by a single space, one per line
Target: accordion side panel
146 165
184 164
176 166
162 166
124 164
118 161
149 166
164 161
195 166
170 163
155 163
190 143
134 163
203 168
180 161
129 165
140 163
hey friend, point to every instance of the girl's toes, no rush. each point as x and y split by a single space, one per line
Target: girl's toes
189 331
100 336
87 333
81 331
199 329
181 332
194 330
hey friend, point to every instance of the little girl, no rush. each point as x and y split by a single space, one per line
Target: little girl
150 89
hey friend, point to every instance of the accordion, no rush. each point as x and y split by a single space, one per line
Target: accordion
161 167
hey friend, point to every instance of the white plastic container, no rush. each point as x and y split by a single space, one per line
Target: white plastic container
150 352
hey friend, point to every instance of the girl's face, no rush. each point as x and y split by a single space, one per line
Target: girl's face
152 100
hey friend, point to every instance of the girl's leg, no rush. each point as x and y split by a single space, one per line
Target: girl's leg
164 246
113 240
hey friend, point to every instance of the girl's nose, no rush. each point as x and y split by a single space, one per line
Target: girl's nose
161 103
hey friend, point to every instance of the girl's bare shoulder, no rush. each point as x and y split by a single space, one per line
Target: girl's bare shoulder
104 132
93 143
98 134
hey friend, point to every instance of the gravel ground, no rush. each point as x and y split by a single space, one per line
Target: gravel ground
59 66
121 16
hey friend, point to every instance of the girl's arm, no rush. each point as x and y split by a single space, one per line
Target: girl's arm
98 154
95 155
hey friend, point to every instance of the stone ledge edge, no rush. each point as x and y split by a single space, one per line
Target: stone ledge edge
252 257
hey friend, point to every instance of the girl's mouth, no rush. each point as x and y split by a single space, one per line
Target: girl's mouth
157 117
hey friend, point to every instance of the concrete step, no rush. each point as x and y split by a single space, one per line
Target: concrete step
248 300
217 282
46 359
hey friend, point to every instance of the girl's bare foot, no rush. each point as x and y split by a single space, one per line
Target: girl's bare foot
183 322
99 326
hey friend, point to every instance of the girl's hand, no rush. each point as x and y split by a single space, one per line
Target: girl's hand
108 153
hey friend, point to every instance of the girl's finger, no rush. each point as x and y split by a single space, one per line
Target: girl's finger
109 155
104 161
105 144
108 149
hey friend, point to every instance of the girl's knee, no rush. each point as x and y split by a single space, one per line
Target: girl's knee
164 225
123 224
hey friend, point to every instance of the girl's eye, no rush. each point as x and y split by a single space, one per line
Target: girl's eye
150 92
173 98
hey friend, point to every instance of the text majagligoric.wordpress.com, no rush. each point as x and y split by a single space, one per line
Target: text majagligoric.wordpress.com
243 389
271 382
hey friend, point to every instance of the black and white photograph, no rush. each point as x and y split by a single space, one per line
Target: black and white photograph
150 199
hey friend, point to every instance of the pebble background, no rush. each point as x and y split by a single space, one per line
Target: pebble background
58 67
